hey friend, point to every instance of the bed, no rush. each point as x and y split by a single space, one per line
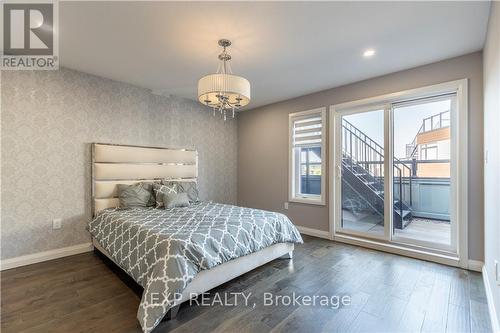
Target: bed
177 253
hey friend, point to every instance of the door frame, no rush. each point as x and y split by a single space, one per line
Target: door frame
459 198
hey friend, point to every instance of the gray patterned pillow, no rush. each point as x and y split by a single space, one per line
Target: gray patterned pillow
152 200
136 195
176 200
161 189
191 188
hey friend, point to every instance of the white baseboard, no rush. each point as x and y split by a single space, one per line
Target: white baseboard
44 256
313 232
475 265
491 304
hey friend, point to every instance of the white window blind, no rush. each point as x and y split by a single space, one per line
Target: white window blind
307 156
307 130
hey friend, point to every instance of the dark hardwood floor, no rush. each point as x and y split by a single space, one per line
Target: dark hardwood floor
388 293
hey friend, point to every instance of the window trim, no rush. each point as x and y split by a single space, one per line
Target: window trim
292 197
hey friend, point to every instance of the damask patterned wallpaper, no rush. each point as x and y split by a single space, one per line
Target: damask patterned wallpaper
49 119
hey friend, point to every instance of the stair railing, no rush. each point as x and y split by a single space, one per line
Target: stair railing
363 151
442 122
414 142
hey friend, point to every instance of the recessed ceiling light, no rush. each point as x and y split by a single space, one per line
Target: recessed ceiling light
369 53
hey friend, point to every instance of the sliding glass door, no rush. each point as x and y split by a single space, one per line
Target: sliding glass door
422 172
362 173
396 172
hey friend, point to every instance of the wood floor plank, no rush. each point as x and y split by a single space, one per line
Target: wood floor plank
385 307
366 322
388 293
436 313
460 289
476 287
345 317
414 312
458 319
479 317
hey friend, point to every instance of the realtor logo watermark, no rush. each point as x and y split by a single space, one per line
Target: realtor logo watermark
234 299
30 38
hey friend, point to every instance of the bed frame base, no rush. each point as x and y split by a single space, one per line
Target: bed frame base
172 313
208 279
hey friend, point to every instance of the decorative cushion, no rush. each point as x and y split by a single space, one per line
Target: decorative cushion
161 189
152 201
191 188
135 195
172 200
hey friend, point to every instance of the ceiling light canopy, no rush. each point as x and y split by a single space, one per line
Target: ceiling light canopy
223 90
369 53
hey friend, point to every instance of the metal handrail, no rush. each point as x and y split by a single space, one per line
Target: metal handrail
367 153
413 143
365 138
422 128
370 155
440 123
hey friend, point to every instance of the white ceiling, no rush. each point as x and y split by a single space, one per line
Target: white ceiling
284 49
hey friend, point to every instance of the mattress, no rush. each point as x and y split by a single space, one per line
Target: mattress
164 249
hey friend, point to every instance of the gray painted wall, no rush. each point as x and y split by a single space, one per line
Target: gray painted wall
49 119
491 62
263 141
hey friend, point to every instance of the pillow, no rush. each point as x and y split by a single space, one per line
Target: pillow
172 200
152 201
191 188
161 189
135 195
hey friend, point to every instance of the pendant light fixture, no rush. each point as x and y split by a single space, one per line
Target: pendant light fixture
223 91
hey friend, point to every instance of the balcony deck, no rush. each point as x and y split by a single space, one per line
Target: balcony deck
430 230
435 231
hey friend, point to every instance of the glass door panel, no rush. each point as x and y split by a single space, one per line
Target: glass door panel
422 182
362 173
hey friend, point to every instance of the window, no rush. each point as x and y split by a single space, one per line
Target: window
429 152
307 157
310 170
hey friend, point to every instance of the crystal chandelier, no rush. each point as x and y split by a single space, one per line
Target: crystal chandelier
223 91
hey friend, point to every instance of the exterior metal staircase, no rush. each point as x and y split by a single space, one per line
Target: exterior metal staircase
363 172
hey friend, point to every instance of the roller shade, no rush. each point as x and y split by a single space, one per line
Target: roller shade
307 130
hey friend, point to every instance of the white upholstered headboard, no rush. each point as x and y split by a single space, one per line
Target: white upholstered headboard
114 164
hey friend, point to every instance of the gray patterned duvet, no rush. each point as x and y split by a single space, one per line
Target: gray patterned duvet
164 249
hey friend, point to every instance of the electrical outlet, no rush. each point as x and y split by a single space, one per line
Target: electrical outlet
56 223
286 205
